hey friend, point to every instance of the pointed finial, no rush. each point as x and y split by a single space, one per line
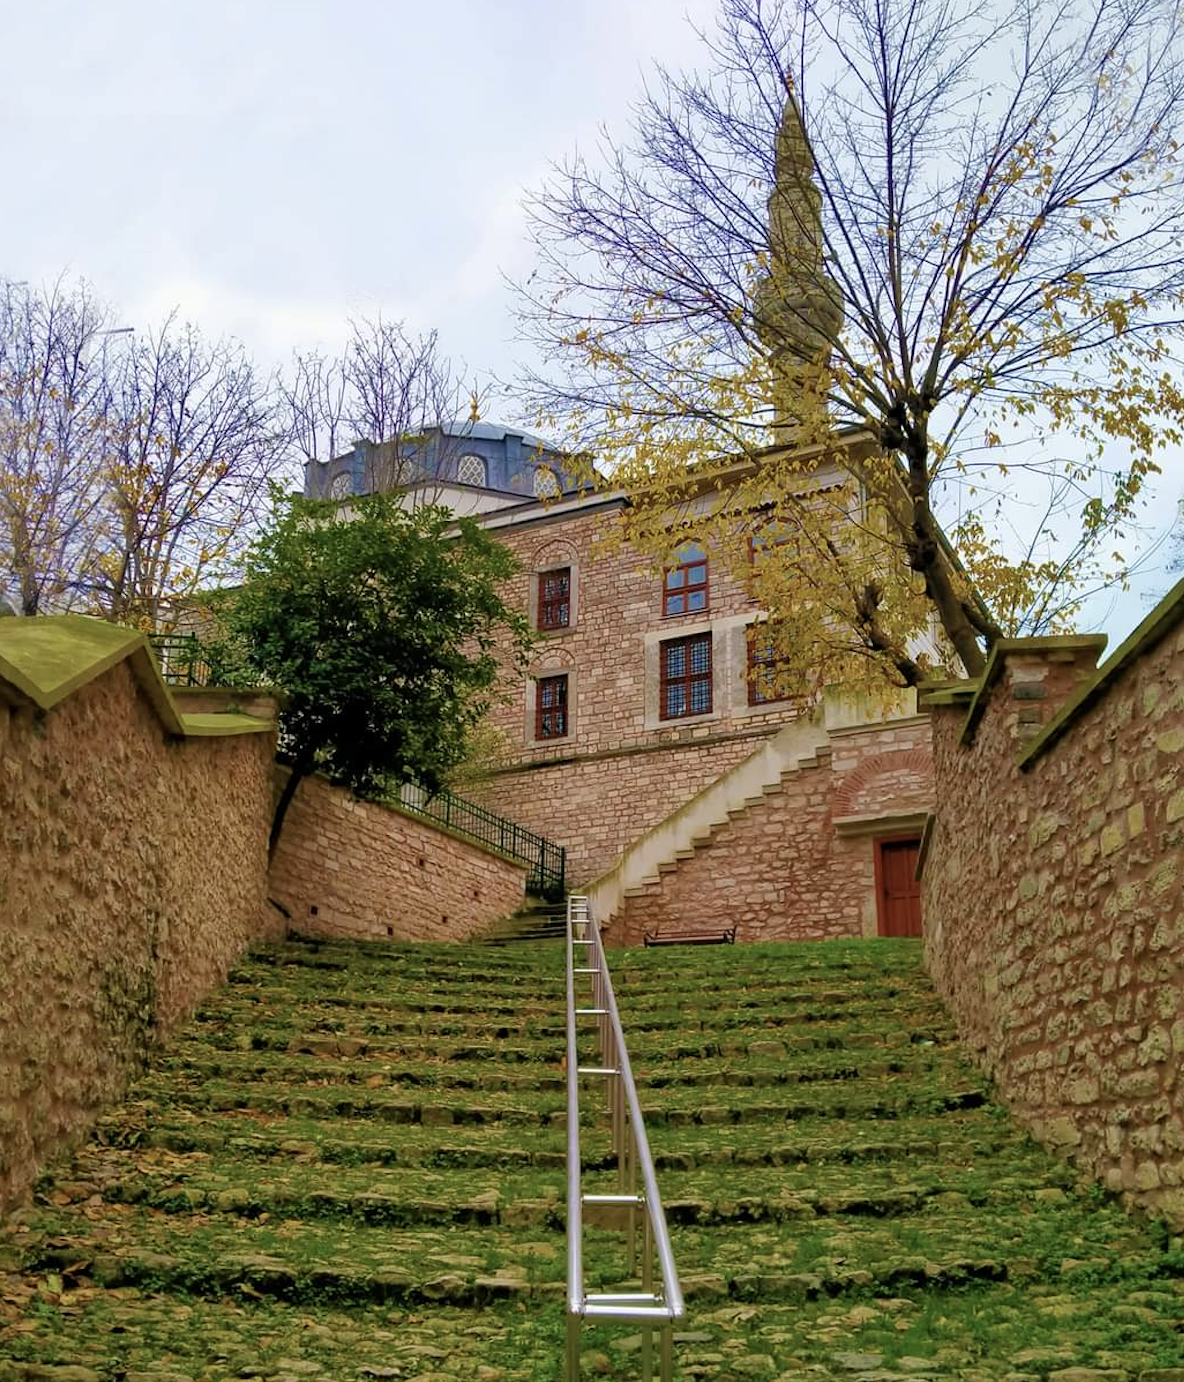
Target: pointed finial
798 307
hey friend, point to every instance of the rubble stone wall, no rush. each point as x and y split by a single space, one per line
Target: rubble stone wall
1053 888
781 869
132 876
345 867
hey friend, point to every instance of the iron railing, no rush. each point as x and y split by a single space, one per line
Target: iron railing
659 1303
182 659
546 862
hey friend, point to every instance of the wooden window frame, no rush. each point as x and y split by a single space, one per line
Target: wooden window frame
687 680
768 664
759 547
548 620
685 590
560 707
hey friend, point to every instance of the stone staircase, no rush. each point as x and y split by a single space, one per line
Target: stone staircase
350 1166
540 921
693 825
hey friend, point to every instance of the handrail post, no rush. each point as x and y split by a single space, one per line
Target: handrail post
573 1348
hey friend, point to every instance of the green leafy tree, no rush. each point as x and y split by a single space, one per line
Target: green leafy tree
383 630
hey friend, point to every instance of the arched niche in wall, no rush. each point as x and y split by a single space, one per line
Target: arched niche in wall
554 597
887 785
551 685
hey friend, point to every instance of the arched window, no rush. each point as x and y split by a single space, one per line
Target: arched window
685 587
470 470
546 485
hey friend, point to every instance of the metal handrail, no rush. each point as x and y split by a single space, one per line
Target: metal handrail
658 1304
546 861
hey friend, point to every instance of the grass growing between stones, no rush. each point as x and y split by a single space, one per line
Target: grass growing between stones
351 1166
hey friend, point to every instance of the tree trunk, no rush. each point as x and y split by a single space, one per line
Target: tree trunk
300 770
929 555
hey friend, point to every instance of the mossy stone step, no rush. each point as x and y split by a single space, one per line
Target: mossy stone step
513 1070
134 1336
302 1260
257 1187
304 1033
974 1135
646 1029
403 958
541 1070
346 1102
924 1011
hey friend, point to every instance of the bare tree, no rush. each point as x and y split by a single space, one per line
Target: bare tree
314 402
53 440
944 224
389 388
195 441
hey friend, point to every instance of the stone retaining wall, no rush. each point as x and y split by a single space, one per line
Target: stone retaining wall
597 807
132 875
1053 888
345 867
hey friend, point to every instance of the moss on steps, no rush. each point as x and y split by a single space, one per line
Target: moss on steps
351 1166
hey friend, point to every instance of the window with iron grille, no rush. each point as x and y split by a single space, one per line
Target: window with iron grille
471 470
767 680
555 599
684 589
550 708
686 677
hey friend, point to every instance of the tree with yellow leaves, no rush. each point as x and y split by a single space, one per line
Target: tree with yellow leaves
832 282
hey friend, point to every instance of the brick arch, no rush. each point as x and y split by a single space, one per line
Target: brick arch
554 553
909 774
552 660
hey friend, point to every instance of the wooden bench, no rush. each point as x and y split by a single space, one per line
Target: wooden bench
724 936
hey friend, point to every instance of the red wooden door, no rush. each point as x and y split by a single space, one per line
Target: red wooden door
899 894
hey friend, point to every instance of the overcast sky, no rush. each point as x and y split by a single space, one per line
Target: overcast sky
271 167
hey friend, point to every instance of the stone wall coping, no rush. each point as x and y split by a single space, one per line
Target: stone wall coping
884 823
939 693
1009 647
877 726
47 658
1158 624
216 722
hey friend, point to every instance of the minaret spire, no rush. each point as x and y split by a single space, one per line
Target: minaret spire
798 308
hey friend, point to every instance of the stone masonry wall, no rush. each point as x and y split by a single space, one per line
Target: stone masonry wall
132 876
1053 888
620 769
780 869
595 807
345 867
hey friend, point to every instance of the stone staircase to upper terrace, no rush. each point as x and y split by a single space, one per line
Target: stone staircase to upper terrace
691 827
350 1166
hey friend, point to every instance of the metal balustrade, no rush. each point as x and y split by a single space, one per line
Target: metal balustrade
659 1303
546 862
183 662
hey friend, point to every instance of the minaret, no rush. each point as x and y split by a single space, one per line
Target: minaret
798 309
